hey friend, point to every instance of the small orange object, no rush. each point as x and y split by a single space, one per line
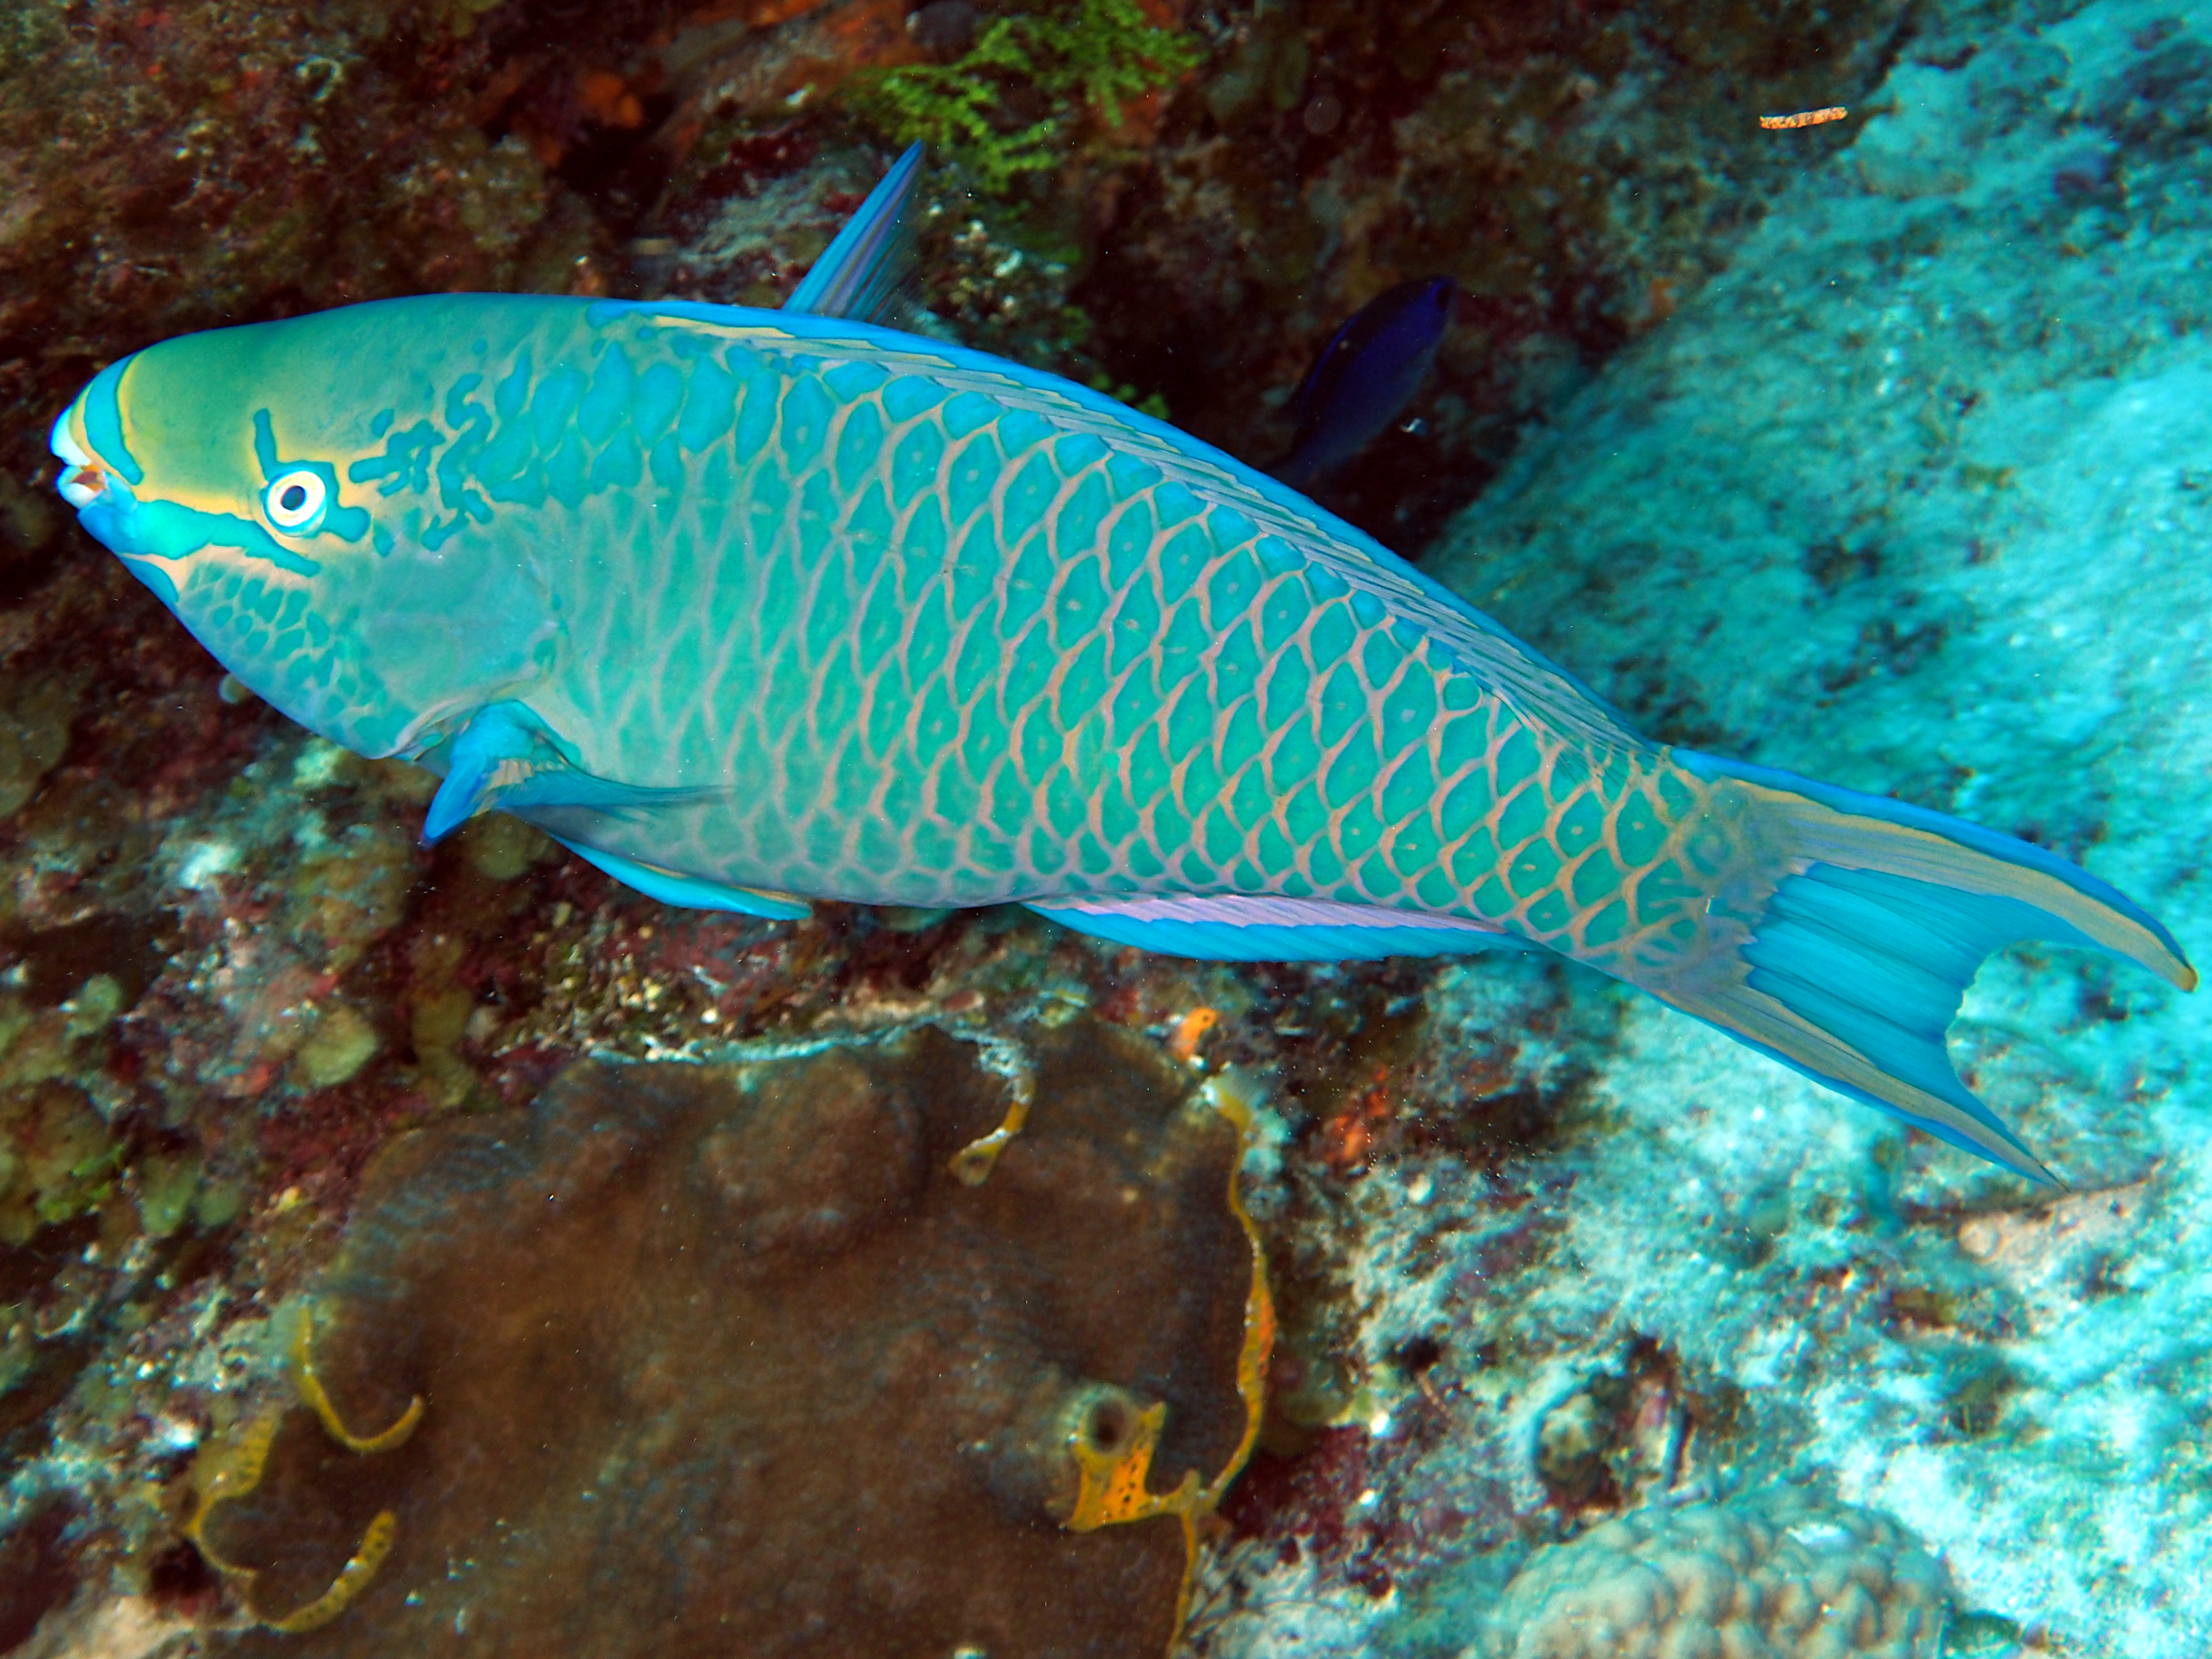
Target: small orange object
608 99
1190 1031
1805 118
1348 1139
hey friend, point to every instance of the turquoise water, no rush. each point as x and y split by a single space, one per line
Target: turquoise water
1872 448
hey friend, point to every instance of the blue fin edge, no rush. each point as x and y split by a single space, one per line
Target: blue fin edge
690 892
2008 849
1222 941
861 271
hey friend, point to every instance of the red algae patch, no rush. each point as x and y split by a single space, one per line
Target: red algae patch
711 1360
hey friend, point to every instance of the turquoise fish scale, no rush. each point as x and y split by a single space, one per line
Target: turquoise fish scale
801 606
919 649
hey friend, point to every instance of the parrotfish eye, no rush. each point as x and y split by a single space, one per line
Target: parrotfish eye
295 500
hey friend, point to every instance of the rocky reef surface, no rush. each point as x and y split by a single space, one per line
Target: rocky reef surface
1913 498
1872 449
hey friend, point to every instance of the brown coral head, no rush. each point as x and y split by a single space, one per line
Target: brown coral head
683 1361
828 1153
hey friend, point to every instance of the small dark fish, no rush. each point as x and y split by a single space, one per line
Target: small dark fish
1365 376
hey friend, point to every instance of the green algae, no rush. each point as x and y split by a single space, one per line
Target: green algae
57 1159
168 1184
1097 55
501 848
34 728
342 1043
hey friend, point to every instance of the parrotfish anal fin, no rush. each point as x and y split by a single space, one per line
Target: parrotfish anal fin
505 758
861 273
690 892
1858 922
1254 927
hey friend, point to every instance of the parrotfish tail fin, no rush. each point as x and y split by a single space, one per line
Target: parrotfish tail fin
1843 929
861 275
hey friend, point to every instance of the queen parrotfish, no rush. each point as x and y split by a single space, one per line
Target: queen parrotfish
750 607
1365 376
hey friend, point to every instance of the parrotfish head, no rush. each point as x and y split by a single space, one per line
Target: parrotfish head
225 470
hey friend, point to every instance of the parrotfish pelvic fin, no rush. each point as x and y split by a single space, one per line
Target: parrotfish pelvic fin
506 758
489 758
861 273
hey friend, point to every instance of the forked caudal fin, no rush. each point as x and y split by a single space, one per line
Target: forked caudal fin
1848 925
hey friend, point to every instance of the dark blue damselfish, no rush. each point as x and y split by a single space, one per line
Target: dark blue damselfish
1365 375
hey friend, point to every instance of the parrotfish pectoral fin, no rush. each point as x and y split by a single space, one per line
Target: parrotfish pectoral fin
860 274
690 892
494 738
1850 926
505 758
1254 927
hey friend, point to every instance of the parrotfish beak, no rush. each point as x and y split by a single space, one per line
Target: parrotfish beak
87 439
97 466
83 478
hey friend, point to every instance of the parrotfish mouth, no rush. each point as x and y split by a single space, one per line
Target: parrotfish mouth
83 480
98 488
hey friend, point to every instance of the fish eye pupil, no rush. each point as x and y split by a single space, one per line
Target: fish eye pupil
296 501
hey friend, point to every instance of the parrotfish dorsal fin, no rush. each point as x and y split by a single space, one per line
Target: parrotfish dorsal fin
861 275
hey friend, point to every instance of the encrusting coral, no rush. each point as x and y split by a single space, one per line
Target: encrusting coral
1773 1575
712 1360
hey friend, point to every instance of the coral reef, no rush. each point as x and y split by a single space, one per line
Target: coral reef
745 1346
1897 417
1772 1575
1881 504
1580 171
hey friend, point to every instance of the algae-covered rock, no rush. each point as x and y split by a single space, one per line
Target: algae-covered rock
687 1361
57 1159
340 1043
350 893
168 1183
501 848
34 727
